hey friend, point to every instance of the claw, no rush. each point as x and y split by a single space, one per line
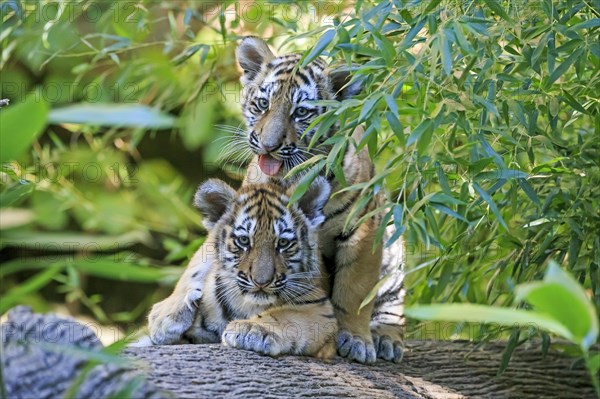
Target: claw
355 347
388 348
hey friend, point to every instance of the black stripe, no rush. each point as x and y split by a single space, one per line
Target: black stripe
222 301
304 78
339 308
311 73
386 313
283 71
342 209
345 236
320 300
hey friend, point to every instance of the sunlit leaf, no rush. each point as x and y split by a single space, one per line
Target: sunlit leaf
120 115
324 41
465 312
20 124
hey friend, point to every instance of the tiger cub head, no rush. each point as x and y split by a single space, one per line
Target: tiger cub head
276 102
267 251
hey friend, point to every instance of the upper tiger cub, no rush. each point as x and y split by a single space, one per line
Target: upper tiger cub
264 289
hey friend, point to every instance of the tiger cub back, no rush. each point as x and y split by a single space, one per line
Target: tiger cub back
265 289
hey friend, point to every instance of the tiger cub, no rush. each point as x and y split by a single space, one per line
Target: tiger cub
261 287
278 101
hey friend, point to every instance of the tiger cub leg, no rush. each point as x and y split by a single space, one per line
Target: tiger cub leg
357 272
304 329
172 317
387 322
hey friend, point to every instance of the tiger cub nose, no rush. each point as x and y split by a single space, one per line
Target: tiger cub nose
262 280
269 147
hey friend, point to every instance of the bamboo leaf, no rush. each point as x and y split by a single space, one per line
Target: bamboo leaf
498 9
471 313
20 124
324 41
493 207
563 67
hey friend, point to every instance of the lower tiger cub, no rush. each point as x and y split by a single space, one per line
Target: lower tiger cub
261 285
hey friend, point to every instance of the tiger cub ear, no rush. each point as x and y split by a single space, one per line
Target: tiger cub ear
313 201
340 84
213 198
251 54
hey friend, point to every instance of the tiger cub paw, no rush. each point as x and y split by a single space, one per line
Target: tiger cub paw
356 347
254 337
170 319
388 344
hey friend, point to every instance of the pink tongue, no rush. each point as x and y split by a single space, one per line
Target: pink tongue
269 165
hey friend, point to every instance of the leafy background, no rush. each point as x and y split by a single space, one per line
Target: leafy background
482 115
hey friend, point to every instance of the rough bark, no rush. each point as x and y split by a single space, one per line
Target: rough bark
430 369
36 365
45 356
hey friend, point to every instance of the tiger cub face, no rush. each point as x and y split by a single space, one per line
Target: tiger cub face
276 102
267 252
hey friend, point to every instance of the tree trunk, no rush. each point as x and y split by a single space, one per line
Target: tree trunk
43 356
430 369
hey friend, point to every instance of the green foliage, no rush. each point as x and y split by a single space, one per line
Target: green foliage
559 303
21 124
482 118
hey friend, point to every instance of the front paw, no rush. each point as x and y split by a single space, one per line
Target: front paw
254 337
355 347
388 345
388 342
170 319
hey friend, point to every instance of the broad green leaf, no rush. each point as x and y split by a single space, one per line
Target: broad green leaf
72 241
498 9
396 126
445 199
590 23
416 134
368 106
460 37
190 51
425 140
304 165
122 267
391 103
431 6
464 312
306 181
446 53
20 124
408 39
569 99
563 67
119 115
563 299
449 212
371 295
321 45
493 207
35 283
15 192
502 174
387 48
511 345
529 191
594 364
